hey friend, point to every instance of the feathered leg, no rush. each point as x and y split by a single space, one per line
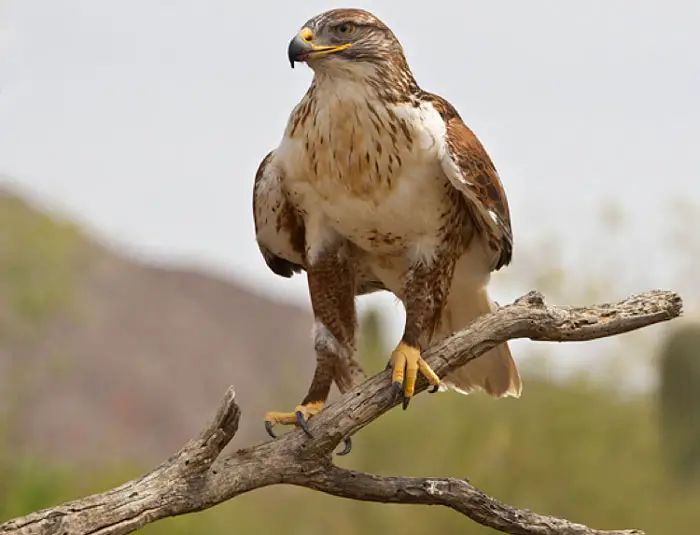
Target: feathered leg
332 282
348 373
424 295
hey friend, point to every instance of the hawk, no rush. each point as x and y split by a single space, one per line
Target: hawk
377 185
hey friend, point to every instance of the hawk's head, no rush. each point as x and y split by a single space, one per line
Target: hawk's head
348 42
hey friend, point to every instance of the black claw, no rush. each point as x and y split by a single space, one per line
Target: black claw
406 401
347 447
388 365
434 389
397 386
268 428
302 423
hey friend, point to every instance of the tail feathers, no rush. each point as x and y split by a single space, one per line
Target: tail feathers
495 371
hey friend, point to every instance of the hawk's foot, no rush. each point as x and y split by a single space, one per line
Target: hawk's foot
299 417
406 362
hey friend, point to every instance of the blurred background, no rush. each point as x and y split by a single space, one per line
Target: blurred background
132 292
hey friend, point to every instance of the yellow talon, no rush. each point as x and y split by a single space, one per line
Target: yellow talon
299 417
406 359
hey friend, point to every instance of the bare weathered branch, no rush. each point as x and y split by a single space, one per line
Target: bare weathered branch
456 494
195 479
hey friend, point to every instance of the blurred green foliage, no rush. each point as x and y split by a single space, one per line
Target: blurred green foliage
41 259
39 263
679 401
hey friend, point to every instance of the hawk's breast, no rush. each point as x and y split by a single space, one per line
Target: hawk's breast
369 170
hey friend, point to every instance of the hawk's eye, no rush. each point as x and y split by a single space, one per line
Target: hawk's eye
345 29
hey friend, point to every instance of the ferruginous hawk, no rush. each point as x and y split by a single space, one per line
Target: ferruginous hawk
379 185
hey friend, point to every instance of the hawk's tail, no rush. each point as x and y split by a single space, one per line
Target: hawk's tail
494 371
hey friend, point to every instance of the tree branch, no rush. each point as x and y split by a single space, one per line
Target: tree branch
456 494
195 479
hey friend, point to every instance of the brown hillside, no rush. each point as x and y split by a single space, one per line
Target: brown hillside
104 358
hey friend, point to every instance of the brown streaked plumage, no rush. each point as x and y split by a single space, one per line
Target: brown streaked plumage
379 185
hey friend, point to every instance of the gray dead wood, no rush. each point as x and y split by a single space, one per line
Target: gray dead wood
196 478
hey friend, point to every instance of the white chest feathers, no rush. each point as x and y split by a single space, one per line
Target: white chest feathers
368 170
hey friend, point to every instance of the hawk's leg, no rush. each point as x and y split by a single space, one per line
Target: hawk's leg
332 283
424 295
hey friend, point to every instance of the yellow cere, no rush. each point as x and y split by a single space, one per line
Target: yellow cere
306 34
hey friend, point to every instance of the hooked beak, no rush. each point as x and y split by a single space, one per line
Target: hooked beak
302 47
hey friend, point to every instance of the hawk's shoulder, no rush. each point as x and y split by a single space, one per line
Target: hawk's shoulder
471 171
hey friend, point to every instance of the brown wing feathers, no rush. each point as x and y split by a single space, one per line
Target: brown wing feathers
480 175
271 210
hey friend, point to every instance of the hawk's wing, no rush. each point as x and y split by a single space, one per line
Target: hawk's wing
281 233
470 170
279 230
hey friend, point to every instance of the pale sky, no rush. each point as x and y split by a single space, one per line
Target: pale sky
146 119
